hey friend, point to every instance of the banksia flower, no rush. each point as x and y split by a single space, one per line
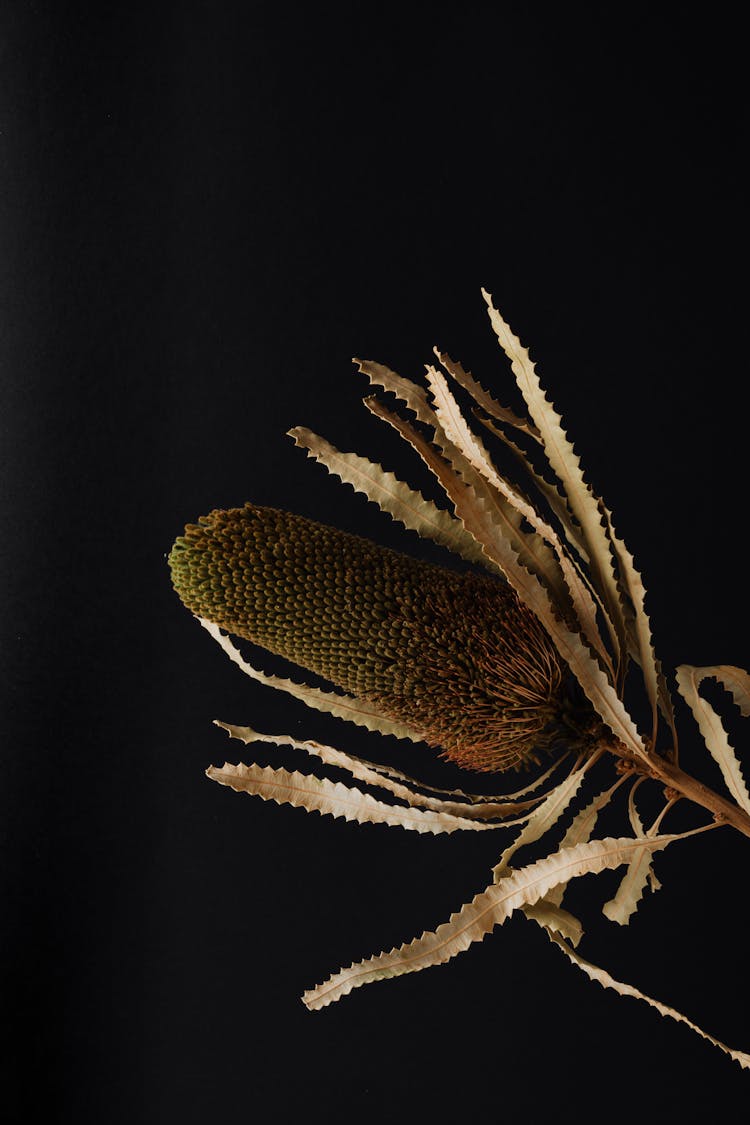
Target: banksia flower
455 656
525 649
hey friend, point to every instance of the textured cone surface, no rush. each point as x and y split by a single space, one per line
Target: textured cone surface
455 656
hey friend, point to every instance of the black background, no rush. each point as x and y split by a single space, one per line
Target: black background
206 211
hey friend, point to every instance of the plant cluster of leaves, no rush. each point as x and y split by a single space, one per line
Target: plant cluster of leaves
557 546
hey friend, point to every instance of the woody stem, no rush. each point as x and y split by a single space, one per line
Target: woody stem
675 778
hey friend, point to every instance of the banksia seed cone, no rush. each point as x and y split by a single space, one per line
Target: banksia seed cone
455 656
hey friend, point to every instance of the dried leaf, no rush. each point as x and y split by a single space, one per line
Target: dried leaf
555 499
405 505
373 775
500 550
472 451
606 981
554 918
711 727
653 677
487 910
553 566
544 817
342 706
559 506
451 482
630 891
404 389
566 465
331 798
497 507
466 380
475 798
581 830
735 680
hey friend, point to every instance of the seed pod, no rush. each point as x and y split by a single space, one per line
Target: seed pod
455 656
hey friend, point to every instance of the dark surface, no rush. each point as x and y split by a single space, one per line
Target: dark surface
206 211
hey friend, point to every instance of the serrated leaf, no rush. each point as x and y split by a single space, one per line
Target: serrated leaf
532 549
555 499
567 466
466 380
581 830
371 774
625 902
544 817
711 726
551 917
496 506
500 551
552 565
404 389
341 706
535 783
559 507
602 977
316 794
486 910
653 677
401 502
735 680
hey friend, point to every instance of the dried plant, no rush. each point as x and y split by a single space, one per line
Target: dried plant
518 660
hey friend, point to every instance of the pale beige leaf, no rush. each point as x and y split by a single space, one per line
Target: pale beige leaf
473 451
553 566
331 798
566 464
602 977
625 902
415 398
555 499
537 782
554 918
371 774
401 502
544 817
654 680
404 389
735 680
571 531
488 909
342 706
497 508
499 549
712 728
466 380
581 830
474 515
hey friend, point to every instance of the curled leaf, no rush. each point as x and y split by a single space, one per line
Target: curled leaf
544 817
347 707
630 891
499 549
466 380
477 918
711 727
602 977
374 775
567 466
401 502
317 794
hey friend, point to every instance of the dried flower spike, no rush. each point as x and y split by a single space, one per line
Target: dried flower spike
457 657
